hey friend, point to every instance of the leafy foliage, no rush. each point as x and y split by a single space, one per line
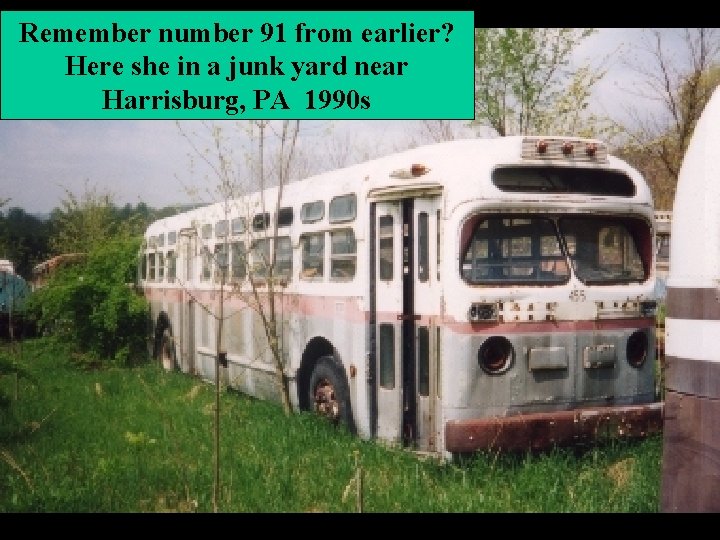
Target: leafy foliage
676 84
85 220
525 83
23 239
93 306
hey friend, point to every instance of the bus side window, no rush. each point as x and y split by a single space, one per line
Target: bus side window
385 256
238 261
387 356
260 258
285 216
221 228
283 258
312 211
313 255
423 361
423 247
221 261
171 266
261 221
342 254
342 208
238 225
161 266
206 264
151 267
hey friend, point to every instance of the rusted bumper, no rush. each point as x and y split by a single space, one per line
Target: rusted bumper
539 431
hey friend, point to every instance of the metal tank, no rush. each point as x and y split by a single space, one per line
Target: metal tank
691 431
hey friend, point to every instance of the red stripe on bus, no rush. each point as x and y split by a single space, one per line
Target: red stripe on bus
347 308
548 327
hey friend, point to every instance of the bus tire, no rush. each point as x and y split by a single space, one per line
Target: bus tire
329 394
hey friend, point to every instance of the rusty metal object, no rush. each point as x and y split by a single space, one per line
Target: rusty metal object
691 455
325 402
539 431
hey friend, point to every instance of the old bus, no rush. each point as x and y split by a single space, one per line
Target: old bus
468 295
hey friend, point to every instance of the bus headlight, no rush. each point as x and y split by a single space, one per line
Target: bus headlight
483 311
637 348
648 308
496 355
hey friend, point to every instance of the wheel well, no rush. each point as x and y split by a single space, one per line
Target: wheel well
316 348
162 322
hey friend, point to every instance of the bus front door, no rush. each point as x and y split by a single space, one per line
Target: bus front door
406 306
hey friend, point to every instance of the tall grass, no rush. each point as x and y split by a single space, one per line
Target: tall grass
141 440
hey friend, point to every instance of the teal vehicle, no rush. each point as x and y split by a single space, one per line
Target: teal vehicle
14 292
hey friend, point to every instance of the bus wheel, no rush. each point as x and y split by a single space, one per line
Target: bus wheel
329 393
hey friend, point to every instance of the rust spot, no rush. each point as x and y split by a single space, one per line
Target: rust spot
538 431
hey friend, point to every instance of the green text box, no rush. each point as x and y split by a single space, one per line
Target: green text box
237 65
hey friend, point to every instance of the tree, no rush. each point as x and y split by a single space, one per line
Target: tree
287 141
342 149
23 240
676 88
525 84
89 303
279 141
262 289
82 221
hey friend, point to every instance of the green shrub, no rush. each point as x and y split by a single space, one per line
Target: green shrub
9 367
93 306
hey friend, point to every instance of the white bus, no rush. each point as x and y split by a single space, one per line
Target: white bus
691 432
469 295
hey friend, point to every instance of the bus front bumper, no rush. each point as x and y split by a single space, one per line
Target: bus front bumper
539 431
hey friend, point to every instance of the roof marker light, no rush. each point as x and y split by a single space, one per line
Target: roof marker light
591 149
567 148
541 146
415 170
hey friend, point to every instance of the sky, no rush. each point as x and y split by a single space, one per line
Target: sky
147 161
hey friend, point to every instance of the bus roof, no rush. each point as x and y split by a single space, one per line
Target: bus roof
453 166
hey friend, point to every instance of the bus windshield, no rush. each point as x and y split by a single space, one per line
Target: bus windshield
603 250
541 250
